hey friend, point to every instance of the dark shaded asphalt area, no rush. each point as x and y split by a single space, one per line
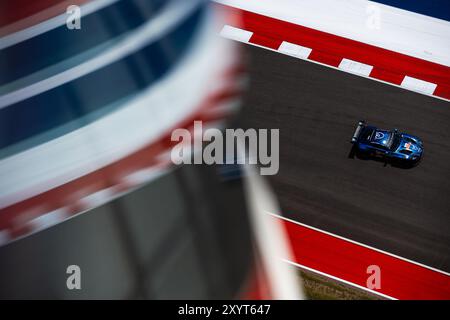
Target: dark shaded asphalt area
402 211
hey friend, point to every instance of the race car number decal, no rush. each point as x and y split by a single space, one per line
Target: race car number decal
408 146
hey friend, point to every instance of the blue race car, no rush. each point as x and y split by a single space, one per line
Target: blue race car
369 141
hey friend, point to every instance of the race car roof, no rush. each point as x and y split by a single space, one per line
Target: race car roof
381 137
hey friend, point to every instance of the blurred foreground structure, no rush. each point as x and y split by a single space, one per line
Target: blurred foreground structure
85 173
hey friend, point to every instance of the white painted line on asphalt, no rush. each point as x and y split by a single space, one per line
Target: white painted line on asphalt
294 50
237 34
355 67
418 85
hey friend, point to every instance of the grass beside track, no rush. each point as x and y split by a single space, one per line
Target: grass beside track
321 288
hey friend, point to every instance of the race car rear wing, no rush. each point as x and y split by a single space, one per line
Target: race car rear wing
358 130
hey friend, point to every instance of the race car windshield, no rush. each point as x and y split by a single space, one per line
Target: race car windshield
394 141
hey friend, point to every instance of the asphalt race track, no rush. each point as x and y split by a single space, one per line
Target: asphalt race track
402 211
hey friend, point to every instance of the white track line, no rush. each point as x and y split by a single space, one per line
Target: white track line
418 85
236 34
355 67
294 50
